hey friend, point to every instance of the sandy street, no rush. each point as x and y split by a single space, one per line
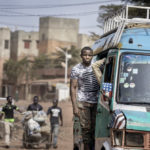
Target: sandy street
65 136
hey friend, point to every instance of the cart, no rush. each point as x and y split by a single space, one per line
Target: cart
36 138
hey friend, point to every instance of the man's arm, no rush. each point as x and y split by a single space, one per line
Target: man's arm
29 108
48 111
73 90
41 108
1 115
20 111
96 69
17 109
61 118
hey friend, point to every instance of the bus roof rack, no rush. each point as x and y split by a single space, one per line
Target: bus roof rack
122 15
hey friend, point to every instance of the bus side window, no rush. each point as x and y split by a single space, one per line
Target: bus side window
109 71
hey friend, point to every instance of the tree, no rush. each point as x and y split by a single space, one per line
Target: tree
42 61
108 10
60 57
15 71
139 2
105 11
75 56
95 36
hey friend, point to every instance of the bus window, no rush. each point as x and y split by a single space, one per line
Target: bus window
109 71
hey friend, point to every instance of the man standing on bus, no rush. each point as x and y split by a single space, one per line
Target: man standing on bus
83 81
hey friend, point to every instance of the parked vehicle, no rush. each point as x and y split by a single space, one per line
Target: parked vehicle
123 112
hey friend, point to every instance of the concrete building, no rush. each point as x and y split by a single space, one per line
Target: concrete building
5 43
4 50
57 32
53 32
24 44
84 40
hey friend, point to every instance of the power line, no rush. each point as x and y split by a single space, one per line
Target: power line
18 14
14 12
21 25
52 15
10 13
53 6
29 26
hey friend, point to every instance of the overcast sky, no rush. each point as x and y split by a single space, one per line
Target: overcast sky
24 14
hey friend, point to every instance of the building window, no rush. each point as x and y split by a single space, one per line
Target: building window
6 44
27 44
37 44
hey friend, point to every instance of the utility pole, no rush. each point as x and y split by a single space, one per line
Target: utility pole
66 66
67 57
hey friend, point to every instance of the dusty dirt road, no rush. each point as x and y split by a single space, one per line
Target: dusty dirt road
65 135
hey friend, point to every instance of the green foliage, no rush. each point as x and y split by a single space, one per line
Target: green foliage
137 13
26 69
42 61
60 57
139 2
107 10
54 61
75 56
75 53
15 70
95 36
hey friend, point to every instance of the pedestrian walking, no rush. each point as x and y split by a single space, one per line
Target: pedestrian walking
8 113
35 106
55 113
